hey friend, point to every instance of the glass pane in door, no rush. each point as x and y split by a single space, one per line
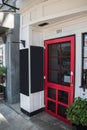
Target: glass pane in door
63 96
54 50
59 63
52 93
62 110
52 106
65 49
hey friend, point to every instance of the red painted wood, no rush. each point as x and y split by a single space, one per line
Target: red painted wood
47 84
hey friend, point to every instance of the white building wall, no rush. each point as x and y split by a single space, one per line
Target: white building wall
40 10
36 36
2 46
32 36
65 18
24 29
36 101
76 27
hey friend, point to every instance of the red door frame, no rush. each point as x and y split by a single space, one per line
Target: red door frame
70 89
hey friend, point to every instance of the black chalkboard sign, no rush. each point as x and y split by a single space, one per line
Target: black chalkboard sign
24 72
36 59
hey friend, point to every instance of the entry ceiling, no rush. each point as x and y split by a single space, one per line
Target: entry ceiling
57 20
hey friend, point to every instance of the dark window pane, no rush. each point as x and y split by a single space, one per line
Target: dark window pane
52 93
84 73
59 63
52 106
65 49
54 63
84 79
63 97
84 60
62 111
61 77
53 76
65 63
54 50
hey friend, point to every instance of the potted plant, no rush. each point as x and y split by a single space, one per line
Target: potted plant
77 113
2 74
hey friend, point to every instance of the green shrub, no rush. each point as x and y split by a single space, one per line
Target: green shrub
2 70
77 112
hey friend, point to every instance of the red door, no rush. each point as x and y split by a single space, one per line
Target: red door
59 75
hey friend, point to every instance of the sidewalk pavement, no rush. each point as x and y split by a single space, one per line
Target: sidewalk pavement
11 118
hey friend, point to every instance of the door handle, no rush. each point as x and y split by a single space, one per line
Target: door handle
72 78
44 77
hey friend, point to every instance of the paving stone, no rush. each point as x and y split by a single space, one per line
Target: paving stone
11 118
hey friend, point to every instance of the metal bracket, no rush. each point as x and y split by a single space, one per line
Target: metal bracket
15 8
22 42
